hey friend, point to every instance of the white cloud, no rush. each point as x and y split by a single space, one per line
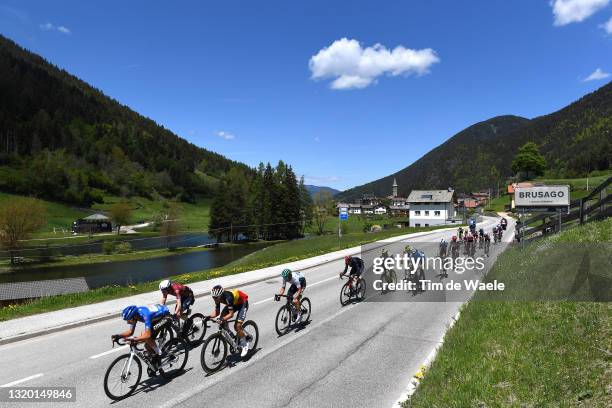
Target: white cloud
225 135
607 26
575 11
355 67
49 27
597 75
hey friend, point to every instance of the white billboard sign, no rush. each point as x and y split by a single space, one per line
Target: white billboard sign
542 196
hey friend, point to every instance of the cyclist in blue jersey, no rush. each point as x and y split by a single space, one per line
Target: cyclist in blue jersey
148 315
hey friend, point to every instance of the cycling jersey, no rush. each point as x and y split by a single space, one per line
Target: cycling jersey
356 265
150 314
178 290
296 280
234 299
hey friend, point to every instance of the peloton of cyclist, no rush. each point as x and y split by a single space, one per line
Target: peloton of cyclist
184 296
148 315
236 302
298 285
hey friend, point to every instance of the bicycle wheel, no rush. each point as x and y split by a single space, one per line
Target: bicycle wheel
177 353
194 329
283 320
345 294
361 289
252 332
120 381
306 309
214 352
165 334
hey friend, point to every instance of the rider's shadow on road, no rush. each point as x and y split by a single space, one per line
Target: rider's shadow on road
152 384
233 359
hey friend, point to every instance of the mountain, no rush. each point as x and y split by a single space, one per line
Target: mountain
315 189
62 139
574 140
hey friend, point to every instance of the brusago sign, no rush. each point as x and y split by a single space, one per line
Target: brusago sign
544 196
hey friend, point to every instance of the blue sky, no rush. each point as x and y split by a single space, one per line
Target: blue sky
239 77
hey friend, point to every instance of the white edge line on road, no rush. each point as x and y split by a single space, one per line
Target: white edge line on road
307 286
114 350
22 380
258 356
413 381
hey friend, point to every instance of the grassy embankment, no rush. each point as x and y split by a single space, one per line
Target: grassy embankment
89 259
193 217
577 189
278 254
531 352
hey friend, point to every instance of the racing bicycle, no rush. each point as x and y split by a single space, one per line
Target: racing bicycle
352 289
217 345
287 314
124 373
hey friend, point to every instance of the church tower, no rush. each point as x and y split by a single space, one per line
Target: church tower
394 187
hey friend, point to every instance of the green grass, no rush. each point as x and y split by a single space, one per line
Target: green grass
193 217
577 189
498 204
58 215
99 258
528 353
278 254
356 223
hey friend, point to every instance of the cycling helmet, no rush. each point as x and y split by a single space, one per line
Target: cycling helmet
165 284
347 259
407 248
129 312
217 290
454 238
285 273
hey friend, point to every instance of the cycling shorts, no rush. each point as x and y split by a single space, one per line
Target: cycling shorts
240 310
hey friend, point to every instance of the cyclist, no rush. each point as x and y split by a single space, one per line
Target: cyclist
454 247
148 315
298 285
356 265
460 232
184 296
443 247
236 302
487 243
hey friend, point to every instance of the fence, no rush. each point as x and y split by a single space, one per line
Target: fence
596 205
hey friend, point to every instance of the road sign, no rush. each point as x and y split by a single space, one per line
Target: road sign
542 196
343 216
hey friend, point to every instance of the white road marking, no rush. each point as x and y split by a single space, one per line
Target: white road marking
114 350
307 286
22 380
258 356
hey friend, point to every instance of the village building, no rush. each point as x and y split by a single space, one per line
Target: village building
431 207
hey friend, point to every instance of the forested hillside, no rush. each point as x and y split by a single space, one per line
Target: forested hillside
574 140
62 139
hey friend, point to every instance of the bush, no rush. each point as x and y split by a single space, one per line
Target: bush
123 248
108 247
344 228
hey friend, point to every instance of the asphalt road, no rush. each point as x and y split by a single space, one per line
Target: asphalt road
360 355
